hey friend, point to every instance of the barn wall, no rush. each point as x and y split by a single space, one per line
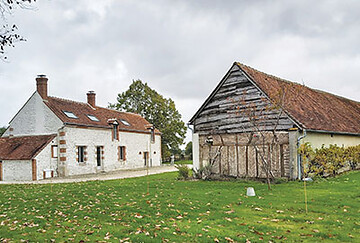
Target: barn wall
235 156
224 112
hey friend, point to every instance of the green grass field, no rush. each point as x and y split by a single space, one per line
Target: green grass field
181 162
181 211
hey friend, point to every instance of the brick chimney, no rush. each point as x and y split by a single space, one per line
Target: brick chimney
41 85
91 98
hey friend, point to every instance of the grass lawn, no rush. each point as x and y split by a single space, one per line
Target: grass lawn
181 211
181 162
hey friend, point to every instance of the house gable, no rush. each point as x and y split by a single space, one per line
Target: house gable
220 114
34 118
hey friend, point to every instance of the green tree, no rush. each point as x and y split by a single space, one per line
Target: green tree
159 111
2 130
188 149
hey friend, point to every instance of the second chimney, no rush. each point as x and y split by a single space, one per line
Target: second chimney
91 98
41 85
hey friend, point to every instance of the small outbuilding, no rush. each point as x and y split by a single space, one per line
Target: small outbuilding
252 116
27 158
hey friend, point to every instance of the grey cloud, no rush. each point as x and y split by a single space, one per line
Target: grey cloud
181 48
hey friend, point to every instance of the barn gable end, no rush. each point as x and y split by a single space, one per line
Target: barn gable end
220 114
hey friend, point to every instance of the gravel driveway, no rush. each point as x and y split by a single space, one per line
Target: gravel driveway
120 174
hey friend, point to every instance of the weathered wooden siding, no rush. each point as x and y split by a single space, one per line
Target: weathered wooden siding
235 157
222 114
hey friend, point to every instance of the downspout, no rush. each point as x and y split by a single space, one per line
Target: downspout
188 125
298 155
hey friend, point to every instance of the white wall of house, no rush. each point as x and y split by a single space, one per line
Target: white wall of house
93 137
318 139
17 170
34 118
44 161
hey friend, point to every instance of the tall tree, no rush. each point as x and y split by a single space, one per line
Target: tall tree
188 149
8 32
2 130
159 111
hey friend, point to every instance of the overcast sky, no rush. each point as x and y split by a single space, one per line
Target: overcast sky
180 48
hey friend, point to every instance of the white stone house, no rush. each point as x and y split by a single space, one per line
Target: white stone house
51 137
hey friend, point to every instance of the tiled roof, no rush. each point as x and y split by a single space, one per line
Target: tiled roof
313 109
23 148
81 110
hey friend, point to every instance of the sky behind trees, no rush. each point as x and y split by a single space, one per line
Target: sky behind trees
180 48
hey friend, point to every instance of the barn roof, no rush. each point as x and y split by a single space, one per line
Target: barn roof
312 109
132 122
23 148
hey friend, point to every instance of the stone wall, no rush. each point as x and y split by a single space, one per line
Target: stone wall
136 144
16 170
34 118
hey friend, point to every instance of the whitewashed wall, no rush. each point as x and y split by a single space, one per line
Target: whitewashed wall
91 138
34 118
45 162
196 151
17 170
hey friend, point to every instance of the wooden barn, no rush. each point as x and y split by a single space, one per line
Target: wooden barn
253 123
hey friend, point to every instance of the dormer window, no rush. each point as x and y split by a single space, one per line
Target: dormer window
126 123
70 114
115 130
93 118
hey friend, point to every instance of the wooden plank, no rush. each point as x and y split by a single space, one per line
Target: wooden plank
247 161
282 166
232 161
252 165
237 157
33 167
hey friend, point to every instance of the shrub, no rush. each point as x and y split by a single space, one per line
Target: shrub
328 161
184 171
204 173
353 156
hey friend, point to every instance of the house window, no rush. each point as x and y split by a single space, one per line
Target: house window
81 154
115 132
153 135
126 123
54 151
122 153
70 114
93 118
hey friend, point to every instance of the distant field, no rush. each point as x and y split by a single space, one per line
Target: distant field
181 211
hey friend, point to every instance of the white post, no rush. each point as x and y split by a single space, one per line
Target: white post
196 151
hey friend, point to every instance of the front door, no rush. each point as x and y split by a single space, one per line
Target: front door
98 155
146 158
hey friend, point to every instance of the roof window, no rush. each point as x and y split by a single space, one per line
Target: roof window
70 114
126 123
92 117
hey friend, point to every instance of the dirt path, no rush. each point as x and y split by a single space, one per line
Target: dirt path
121 174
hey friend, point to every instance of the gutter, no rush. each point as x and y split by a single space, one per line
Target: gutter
333 132
298 155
